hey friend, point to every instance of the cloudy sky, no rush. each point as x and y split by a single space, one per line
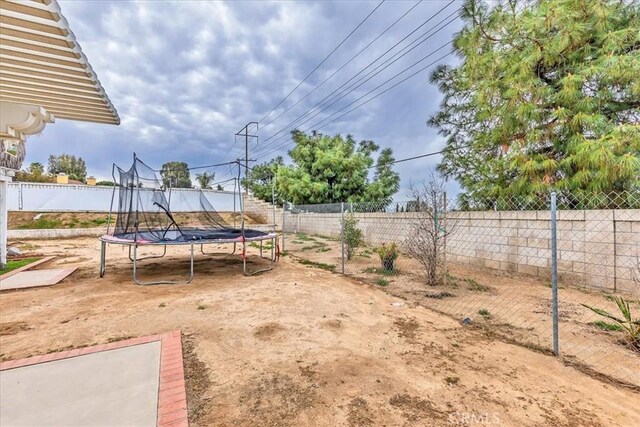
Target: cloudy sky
185 76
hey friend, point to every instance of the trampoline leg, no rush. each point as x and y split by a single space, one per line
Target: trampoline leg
244 258
271 260
160 282
216 253
103 256
149 257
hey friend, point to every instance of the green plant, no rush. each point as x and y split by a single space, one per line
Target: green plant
201 306
382 282
41 223
477 287
484 313
439 295
328 267
13 265
606 326
388 255
353 237
630 325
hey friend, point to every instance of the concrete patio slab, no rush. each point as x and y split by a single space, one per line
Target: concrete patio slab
25 267
35 278
137 382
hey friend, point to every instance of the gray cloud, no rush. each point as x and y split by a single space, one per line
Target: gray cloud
185 76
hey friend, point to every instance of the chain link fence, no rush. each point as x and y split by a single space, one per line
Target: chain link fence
553 273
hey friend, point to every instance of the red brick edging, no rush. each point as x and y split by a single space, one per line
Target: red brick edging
172 396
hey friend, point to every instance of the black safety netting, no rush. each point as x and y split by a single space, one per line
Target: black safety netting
144 212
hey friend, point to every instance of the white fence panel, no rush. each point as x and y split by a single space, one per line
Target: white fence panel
40 197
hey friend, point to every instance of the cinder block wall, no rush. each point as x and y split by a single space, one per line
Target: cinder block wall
261 211
596 248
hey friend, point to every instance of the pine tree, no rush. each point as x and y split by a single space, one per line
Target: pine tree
547 96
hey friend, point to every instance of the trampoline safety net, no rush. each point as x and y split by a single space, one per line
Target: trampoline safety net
144 213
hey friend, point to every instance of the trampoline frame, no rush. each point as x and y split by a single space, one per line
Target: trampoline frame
104 240
108 239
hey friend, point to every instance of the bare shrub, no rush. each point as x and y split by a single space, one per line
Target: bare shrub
427 240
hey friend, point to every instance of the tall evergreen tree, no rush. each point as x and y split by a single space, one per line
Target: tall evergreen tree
547 95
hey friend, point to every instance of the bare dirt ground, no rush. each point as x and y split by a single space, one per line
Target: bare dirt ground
302 346
515 306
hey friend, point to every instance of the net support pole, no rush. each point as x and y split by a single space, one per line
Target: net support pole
342 235
113 194
284 205
103 256
554 274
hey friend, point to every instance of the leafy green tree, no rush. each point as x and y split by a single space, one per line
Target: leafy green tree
105 183
204 179
261 180
176 175
219 187
36 168
330 169
34 173
547 95
72 166
385 182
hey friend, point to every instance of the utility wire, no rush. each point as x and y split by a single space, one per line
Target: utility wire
345 64
396 75
320 103
407 159
276 146
324 60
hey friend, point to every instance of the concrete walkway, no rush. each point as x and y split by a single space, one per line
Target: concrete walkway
35 278
136 382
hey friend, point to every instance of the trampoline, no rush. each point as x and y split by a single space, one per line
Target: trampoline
144 219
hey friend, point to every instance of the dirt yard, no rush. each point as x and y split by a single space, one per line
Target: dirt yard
302 346
517 307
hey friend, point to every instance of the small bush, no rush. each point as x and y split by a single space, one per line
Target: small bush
382 282
484 313
477 287
353 237
388 255
627 322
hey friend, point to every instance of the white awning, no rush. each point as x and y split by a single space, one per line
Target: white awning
42 64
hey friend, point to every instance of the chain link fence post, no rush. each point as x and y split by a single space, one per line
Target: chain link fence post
444 222
284 210
554 272
342 235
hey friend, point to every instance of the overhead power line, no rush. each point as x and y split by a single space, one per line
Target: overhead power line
324 60
279 145
419 40
345 64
